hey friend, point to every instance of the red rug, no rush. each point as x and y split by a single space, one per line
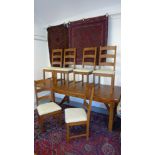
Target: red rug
101 141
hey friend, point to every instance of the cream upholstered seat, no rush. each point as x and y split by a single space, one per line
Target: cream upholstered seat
82 70
58 69
63 69
75 115
51 68
47 108
101 71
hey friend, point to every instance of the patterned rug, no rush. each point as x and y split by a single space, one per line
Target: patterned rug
101 141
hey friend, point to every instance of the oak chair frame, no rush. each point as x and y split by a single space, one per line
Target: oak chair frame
113 64
85 56
53 62
89 93
66 56
44 85
73 56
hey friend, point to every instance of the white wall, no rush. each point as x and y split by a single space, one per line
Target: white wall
41 54
114 38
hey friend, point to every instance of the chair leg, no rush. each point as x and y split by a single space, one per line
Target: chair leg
113 80
82 79
93 78
99 80
112 83
64 78
60 119
67 129
41 124
61 77
74 78
88 78
87 132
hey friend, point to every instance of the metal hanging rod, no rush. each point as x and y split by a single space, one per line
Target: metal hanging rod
107 14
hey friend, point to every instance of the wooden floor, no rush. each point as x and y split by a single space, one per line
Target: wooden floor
102 94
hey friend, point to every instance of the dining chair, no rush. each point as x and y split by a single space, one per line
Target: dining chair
56 62
50 108
80 116
68 63
89 59
109 64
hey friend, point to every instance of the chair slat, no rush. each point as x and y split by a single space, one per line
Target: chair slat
107 56
85 56
70 56
102 48
107 64
56 63
44 97
55 53
89 56
89 48
56 56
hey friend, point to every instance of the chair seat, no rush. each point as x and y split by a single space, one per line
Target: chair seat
63 69
75 115
82 70
101 71
59 69
51 68
47 108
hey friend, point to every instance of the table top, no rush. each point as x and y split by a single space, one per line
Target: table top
102 93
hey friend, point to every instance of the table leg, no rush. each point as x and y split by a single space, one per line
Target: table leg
111 116
66 98
53 96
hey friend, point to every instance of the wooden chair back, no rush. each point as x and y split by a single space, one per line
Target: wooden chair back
69 57
41 86
89 94
104 55
89 56
57 57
